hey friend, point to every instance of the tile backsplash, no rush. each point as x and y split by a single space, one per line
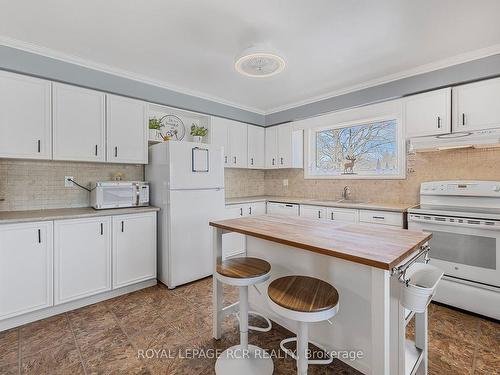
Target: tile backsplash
243 182
465 164
31 185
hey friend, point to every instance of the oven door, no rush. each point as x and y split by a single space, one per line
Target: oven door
463 248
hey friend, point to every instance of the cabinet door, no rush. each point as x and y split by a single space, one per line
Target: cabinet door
127 130
257 208
343 214
476 105
220 137
428 114
134 248
82 258
238 144
284 146
79 123
271 146
25 117
313 212
234 243
256 139
26 254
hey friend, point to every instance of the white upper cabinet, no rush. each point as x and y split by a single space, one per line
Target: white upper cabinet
26 266
476 105
284 147
271 146
25 117
232 135
238 141
256 140
78 123
82 258
127 130
428 113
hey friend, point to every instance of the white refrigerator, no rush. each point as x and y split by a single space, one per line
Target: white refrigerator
187 184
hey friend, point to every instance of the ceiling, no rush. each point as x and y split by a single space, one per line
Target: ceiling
330 46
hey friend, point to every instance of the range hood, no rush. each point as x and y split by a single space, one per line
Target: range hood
473 139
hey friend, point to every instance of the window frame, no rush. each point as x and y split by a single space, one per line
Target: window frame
310 150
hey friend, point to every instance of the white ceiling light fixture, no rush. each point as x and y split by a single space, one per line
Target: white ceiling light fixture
259 61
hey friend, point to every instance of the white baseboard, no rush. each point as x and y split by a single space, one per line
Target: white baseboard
54 310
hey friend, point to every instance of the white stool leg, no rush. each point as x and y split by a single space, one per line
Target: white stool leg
244 317
302 348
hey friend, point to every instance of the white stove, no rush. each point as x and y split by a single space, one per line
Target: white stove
464 218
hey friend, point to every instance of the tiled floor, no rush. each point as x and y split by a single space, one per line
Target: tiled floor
107 338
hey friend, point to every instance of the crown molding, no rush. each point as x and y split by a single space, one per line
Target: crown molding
73 59
426 68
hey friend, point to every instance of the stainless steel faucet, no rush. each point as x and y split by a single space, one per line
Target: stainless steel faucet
346 193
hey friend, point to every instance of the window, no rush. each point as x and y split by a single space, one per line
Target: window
369 149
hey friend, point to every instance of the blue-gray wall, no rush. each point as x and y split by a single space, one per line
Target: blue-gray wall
56 70
40 66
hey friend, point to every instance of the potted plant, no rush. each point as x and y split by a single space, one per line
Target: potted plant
155 126
198 132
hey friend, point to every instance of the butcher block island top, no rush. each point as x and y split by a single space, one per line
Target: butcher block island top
370 244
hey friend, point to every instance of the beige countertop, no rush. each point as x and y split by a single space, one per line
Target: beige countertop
11 217
370 205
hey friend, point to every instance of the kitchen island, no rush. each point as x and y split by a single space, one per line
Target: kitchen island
362 261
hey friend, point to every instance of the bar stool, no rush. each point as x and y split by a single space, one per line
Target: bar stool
244 359
305 300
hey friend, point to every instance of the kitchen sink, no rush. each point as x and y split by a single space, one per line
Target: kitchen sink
349 201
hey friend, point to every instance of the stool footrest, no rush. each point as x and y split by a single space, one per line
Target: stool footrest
254 328
309 361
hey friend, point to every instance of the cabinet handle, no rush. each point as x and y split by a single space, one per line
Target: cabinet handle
241 211
319 214
378 217
273 162
102 229
122 225
39 236
250 210
463 119
332 216
234 159
251 161
95 150
439 122
39 145
116 151
281 161
225 159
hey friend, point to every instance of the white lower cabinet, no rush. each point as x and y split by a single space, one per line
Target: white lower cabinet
313 212
234 244
82 258
26 281
342 214
134 248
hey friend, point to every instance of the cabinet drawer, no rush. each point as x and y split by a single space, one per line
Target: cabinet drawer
381 217
342 214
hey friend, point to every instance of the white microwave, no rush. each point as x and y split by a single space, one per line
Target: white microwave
118 194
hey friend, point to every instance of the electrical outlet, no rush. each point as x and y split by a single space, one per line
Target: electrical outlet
68 183
285 182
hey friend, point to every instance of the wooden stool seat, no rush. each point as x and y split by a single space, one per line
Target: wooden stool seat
243 268
303 294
